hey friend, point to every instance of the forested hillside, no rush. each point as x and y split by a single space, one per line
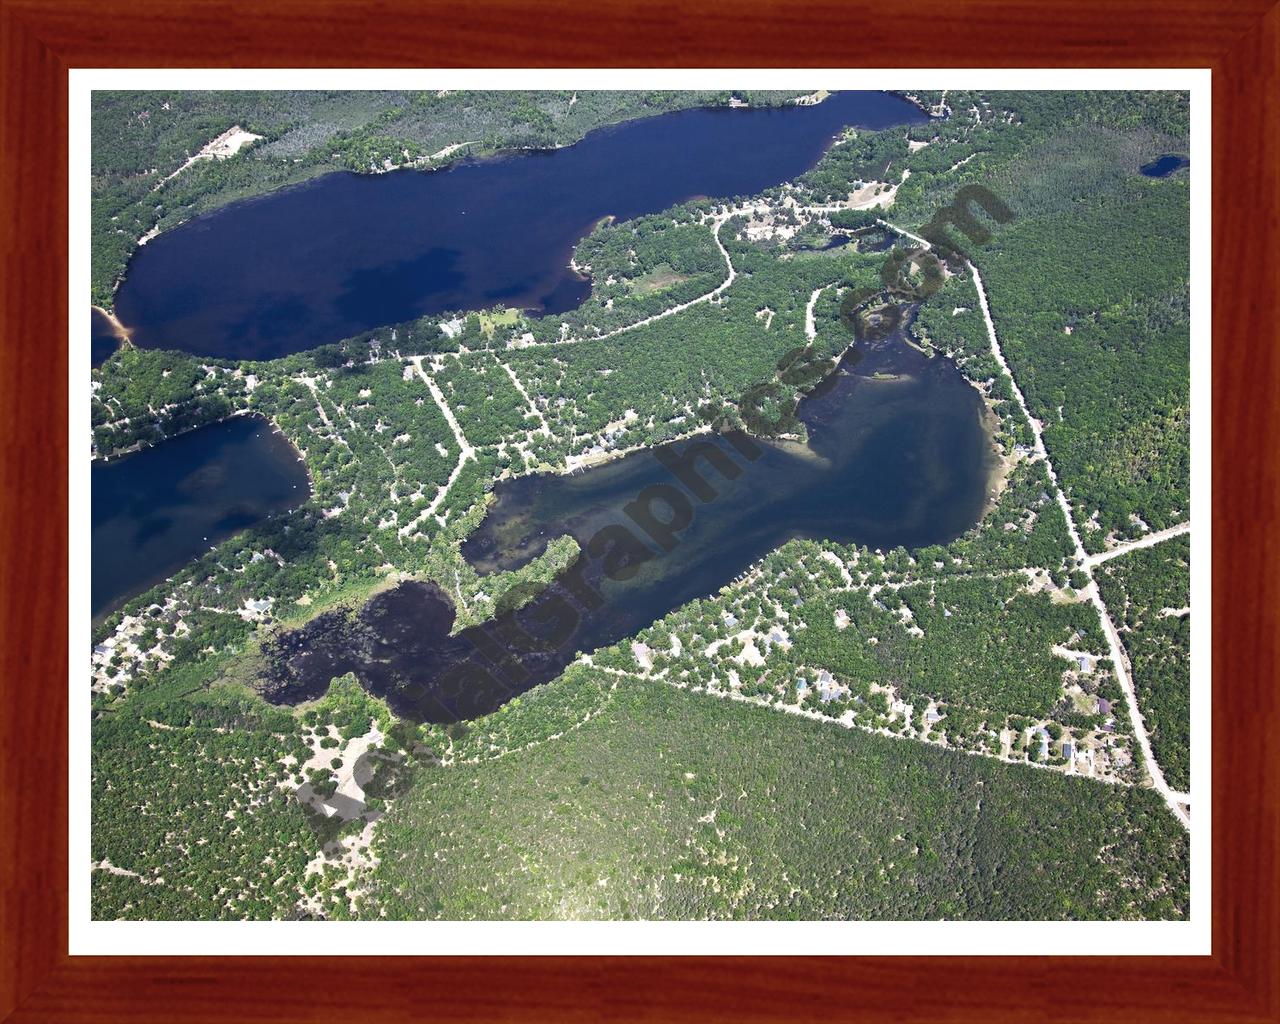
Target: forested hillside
189 818
1092 305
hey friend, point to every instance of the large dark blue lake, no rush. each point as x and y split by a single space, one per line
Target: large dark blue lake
345 253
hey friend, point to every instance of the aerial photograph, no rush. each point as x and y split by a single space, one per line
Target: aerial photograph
639 505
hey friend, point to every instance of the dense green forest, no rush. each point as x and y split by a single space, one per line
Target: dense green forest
1148 592
1090 305
1088 284
187 808
665 804
484 400
1040 152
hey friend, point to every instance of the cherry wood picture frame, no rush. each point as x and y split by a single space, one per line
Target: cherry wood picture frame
41 39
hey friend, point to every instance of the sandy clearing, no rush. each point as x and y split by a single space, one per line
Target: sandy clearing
450 150
874 196
810 327
226 145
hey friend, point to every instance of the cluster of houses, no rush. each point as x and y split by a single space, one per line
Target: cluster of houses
1098 754
824 684
122 649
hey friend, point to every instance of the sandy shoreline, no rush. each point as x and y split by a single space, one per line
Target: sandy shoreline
121 331
1001 466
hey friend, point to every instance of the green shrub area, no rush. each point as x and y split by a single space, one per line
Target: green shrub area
983 642
142 397
1025 528
186 801
350 709
531 718
484 400
1148 593
708 355
1039 152
951 321
643 266
671 805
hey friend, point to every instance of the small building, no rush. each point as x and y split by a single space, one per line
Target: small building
828 688
255 610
